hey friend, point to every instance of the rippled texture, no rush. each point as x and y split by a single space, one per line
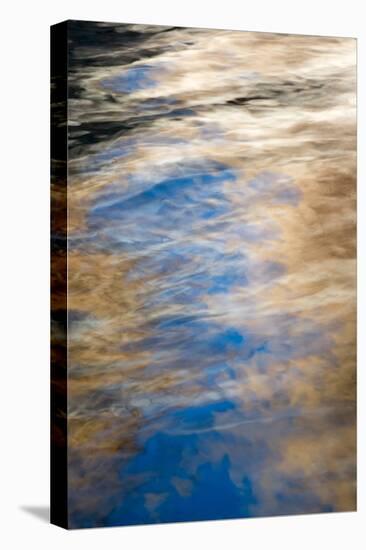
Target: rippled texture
211 274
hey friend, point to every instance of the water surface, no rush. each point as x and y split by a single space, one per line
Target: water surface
211 274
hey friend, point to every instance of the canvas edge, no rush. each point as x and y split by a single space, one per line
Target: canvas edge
58 367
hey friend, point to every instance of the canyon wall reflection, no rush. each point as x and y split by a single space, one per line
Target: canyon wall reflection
211 274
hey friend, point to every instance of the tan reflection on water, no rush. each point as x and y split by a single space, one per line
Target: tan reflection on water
299 123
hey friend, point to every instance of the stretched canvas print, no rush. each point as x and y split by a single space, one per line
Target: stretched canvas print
203 274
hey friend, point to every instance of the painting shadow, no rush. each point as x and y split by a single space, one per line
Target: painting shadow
40 512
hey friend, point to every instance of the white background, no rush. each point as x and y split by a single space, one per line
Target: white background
24 271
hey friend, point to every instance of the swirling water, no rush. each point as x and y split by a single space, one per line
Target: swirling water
211 274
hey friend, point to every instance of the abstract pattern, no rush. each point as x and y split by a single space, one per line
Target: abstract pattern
211 274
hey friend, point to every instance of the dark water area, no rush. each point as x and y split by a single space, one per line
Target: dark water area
211 275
